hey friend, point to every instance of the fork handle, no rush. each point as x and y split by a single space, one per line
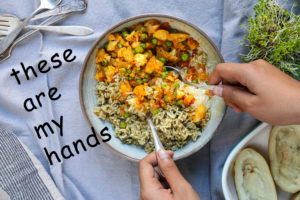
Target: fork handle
70 30
157 143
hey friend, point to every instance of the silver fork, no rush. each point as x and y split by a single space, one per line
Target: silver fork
157 143
9 22
66 9
200 85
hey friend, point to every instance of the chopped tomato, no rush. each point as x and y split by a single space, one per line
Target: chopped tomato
189 99
165 26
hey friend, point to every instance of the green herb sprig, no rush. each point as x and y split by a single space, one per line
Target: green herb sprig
274 35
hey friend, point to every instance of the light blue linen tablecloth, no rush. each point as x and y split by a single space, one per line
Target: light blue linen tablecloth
98 173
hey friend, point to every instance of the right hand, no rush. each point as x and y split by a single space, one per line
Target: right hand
260 89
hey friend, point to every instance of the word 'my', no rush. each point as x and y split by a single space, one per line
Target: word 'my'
43 66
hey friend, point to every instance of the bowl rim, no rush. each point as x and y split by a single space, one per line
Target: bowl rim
102 36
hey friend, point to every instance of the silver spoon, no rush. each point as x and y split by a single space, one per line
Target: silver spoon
45 5
201 85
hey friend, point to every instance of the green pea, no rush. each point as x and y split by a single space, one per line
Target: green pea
165 69
134 51
104 62
163 86
105 69
162 59
130 78
129 71
106 44
147 76
165 98
164 75
145 80
125 33
155 112
139 49
179 102
169 43
119 45
184 57
123 125
139 81
147 55
144 36
195 81
143 45
126 115
124 70
153 87
177 85
154 41
143 29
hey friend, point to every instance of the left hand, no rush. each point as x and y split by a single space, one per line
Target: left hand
151 187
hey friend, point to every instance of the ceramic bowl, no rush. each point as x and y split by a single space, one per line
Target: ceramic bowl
88 98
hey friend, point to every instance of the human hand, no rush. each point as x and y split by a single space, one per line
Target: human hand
151 187
260 89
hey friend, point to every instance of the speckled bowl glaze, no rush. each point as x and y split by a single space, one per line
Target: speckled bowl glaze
88 98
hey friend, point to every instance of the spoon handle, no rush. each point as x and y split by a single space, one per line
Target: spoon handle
157 143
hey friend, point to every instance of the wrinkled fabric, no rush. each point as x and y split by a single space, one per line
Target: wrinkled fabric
98 173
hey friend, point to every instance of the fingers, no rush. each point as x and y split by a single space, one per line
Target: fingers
230 73
146 168
237 98
171 172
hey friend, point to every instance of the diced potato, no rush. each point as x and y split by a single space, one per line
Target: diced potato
125 88
178 37
135 44
140 60
154 65
121 63
111 45
140 92
172 56
199 113
160 52
161 34
101 56
126 53
110 72
180 94
111 37
99 76
132 37
193 44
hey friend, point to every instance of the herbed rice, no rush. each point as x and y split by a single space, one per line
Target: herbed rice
174 127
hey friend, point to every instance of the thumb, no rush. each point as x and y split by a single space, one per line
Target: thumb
237 98
170 170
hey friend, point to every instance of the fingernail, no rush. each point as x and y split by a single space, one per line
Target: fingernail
218 91
163 154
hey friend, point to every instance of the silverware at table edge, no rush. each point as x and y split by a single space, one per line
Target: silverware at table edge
51 20
8 40
5 55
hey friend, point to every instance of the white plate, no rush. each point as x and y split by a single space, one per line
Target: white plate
258 140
